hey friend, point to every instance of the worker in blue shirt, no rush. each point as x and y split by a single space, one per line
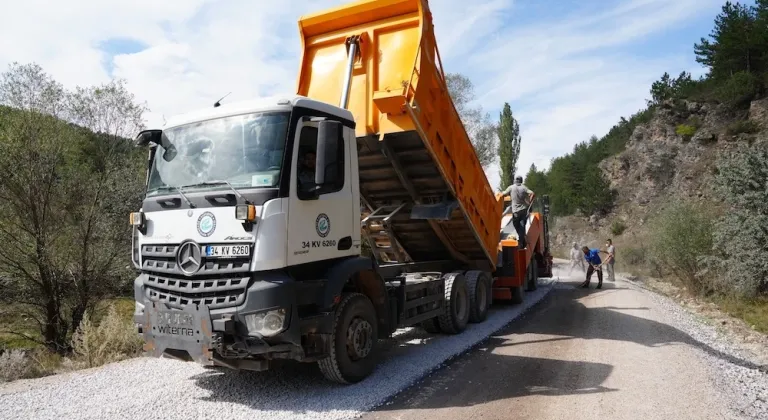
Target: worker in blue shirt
592 256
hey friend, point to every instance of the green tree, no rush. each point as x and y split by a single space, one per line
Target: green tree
667 87
537 181
477 122
741 235
737 42
63 206
596 196
680 236
509 146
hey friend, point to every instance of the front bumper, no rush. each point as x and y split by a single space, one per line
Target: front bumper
221 336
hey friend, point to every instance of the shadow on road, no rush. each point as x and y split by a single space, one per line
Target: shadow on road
484 375
574 319
488 374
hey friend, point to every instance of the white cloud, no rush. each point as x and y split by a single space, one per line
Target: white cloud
566 78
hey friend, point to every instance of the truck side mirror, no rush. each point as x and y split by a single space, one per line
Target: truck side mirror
147 137
329 136
155 138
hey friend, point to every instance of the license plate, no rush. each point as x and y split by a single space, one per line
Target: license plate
175 324
227 251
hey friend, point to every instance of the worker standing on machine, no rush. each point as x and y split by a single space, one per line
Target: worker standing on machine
520 204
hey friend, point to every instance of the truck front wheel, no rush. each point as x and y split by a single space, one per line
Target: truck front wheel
354 342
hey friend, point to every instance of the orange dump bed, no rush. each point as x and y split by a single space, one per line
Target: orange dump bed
413 148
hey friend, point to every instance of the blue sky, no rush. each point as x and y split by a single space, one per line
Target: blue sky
568 68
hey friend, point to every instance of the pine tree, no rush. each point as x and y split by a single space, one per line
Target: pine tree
737 41
536 181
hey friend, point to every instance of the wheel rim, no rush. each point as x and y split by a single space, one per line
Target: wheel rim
461 304
359 339
482 297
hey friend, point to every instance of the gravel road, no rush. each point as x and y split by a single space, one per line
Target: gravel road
168 389
619 353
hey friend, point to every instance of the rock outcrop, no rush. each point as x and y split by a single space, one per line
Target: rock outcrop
673 155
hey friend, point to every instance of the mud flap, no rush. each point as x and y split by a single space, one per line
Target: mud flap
188 330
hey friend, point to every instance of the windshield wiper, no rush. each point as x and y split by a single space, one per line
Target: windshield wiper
220 182
178 190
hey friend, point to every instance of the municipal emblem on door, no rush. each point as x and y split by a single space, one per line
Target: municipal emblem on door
323 225
206 224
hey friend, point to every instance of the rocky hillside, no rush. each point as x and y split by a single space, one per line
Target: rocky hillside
673 155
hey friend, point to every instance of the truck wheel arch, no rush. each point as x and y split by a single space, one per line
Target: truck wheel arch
358 275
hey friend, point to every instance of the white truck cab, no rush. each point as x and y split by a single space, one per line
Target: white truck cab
236 209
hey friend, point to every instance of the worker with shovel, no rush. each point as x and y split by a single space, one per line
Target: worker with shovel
521 199
592 256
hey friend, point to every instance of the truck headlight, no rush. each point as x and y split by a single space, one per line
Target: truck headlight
267 323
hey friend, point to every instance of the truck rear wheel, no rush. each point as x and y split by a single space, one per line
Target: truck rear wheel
518 294
533 275
354 342
479 285
455 314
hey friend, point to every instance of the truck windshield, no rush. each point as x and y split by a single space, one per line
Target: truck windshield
244 150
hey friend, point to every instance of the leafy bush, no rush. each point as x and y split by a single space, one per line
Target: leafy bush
113 339
618 227
685 131
744 126
741 234
681 236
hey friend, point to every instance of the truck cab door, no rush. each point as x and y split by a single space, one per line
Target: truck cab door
320 223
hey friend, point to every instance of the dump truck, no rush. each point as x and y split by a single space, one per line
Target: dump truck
308 226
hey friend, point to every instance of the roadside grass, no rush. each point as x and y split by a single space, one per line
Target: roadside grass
11 319
108 335
754 311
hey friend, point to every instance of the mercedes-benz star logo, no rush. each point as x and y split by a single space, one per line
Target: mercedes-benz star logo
188 258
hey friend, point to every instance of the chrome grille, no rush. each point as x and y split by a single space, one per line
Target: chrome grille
161 259
180 300
213 284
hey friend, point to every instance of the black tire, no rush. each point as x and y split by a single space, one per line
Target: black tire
431 326
518 294
532 279
355 311
479 286
455 315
